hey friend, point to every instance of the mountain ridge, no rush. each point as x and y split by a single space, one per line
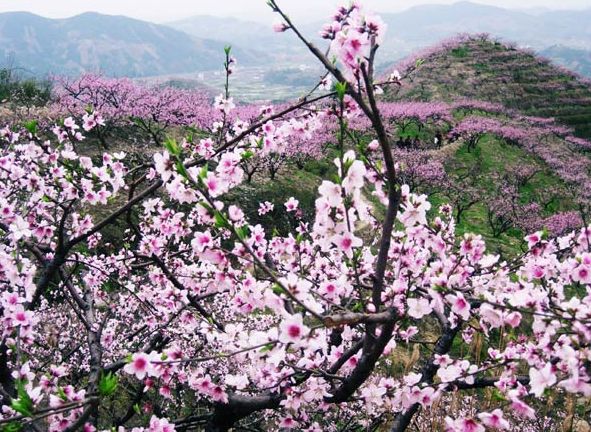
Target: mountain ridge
117 45
424 25
112 44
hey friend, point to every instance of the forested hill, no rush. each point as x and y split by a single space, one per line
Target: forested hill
480 68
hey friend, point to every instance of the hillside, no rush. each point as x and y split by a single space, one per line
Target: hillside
504 143
115 45
474 67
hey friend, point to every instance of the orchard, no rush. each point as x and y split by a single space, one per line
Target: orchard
375 315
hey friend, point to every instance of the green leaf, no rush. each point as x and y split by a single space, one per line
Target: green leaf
347 164
439 288
220 220
180 168
358 307
108 384
62 394
545 234
203 172
137 409
206 206
24 404
11 427
419 62
109 286
278 289
247 155
172 146
267 348
31 126
341 89
242 232
228 49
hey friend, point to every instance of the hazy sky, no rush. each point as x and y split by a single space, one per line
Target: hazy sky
167 10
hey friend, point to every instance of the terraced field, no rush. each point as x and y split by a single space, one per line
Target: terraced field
478 67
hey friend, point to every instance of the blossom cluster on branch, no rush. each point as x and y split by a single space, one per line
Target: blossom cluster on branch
191 317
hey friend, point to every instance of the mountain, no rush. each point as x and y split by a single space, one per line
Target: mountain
481 68
578 60
425 25
234 30
430 23
418 27
114 45
121 46
285 47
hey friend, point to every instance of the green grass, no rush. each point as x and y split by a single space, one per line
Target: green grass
300 184
460 52
497 158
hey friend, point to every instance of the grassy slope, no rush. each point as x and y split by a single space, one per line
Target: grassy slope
497 157
486 70
490 71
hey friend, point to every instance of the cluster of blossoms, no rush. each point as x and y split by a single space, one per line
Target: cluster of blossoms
271 323
353 34
190 316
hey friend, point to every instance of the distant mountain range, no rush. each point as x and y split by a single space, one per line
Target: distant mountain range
574 59
114 45
424 26
430 23
121 46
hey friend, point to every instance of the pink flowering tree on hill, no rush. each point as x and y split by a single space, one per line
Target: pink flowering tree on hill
122 103
194 319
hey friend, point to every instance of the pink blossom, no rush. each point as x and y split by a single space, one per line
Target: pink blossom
288 423
462 425
140 365
347 242
280 27
20 228
292 329
331 192
459 305
541 379
202 241
160 425
494 420
163 165
223 104
292 204
522 408
265 208
418 308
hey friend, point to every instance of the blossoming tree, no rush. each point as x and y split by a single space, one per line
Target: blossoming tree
194 319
